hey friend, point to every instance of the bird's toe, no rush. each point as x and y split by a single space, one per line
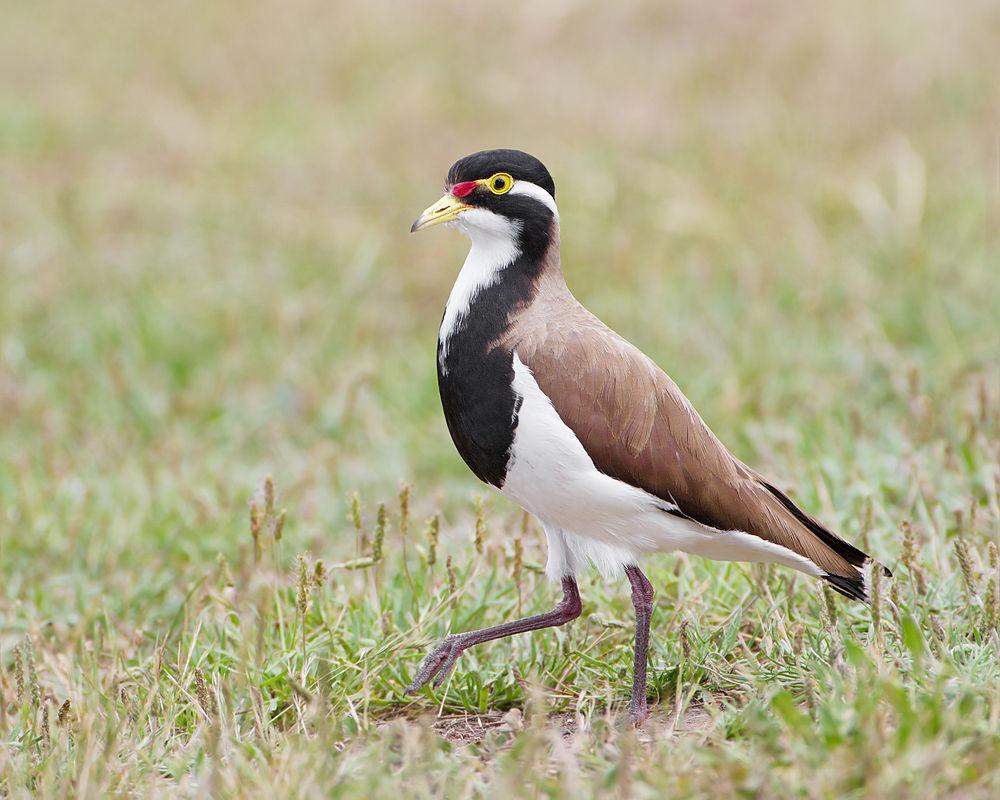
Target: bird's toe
438 663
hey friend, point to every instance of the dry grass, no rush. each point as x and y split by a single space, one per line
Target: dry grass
205 278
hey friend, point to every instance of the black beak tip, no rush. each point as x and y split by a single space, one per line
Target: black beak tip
413 227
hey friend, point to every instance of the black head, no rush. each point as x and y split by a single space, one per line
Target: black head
497 194
519 165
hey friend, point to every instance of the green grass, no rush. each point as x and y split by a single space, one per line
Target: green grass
206 278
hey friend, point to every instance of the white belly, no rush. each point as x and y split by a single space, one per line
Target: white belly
594 516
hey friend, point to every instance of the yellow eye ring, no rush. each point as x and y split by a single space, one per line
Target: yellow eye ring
499 183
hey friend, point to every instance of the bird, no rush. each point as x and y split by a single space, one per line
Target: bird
585 432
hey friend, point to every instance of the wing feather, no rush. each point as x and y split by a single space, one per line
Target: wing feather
638 426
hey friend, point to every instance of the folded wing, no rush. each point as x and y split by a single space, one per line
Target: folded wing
638 427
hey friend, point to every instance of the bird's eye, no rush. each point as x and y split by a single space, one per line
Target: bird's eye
500 183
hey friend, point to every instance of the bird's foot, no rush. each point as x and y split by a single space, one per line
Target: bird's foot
638 712
439 663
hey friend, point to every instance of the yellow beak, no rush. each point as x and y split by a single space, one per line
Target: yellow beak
444 210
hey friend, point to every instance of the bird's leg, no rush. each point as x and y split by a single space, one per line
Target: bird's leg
443 657
642 599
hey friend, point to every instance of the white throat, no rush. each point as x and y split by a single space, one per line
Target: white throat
494 247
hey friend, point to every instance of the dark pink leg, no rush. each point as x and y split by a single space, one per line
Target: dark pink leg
443 657
642 599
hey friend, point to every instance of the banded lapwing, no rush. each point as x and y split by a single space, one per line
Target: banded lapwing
581 429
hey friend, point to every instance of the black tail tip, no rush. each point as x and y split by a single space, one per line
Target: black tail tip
853 586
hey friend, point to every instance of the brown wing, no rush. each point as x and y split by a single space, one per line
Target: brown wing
638 427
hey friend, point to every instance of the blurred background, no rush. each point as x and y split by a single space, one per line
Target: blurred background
206 273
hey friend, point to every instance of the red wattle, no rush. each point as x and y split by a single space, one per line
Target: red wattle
464 188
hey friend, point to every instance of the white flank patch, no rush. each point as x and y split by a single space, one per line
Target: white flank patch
740 546
494 246
570 554
590 516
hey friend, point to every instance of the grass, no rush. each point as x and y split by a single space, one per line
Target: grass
205 279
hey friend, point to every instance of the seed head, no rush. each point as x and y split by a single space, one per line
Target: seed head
433 532
404 509
379 533
28 649
894 600
302 596
356 512
278 524
63 716
205 695
225 574
452 582
908 555
480 526
46 735
19 674
991 605
268 495
830 604
256 524
965 563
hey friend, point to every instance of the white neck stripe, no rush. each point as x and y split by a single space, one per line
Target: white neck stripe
535 191
494 247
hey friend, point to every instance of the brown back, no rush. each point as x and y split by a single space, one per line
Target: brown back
638 427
